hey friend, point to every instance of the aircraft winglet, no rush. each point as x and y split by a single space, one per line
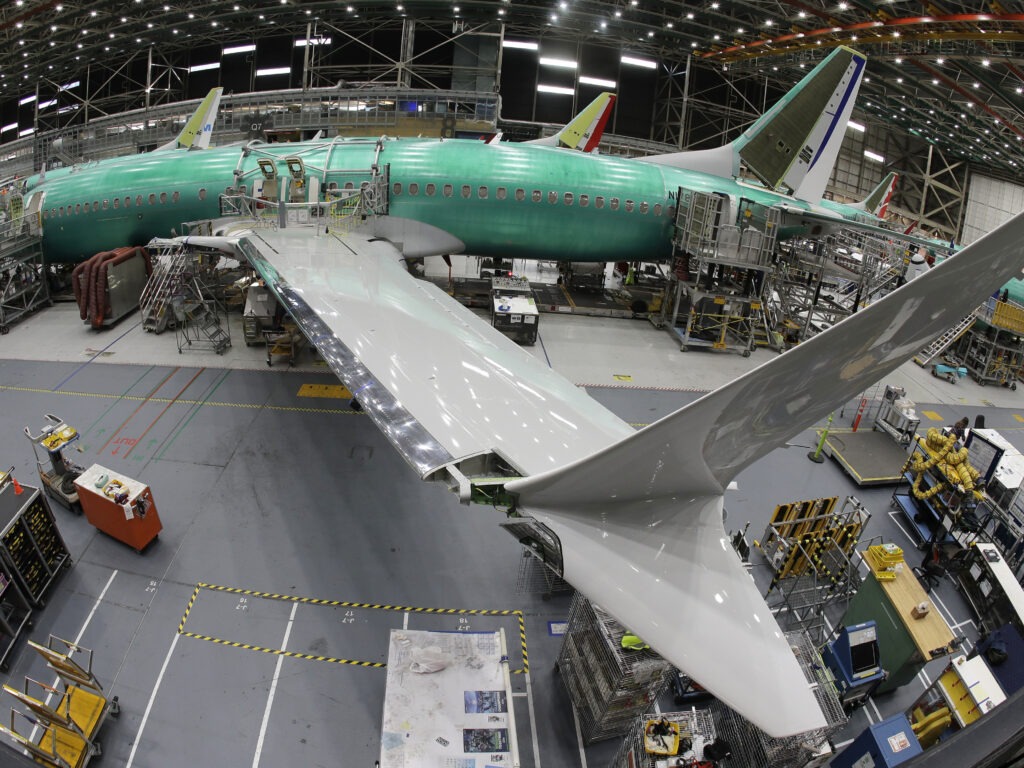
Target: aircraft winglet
584 131
197 131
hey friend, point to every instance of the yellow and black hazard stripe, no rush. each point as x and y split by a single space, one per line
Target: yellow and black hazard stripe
279 652
520 619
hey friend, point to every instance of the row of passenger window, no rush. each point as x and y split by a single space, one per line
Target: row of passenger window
103 205
536 196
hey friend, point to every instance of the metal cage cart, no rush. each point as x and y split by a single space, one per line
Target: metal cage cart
609 685
59 480
753 748
696 729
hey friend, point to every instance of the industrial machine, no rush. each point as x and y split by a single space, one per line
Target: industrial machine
513 309
885 744
853 658
59 480
897 417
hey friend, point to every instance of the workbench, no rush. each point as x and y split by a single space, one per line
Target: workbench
905 643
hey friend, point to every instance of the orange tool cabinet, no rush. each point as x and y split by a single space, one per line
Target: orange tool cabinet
119 506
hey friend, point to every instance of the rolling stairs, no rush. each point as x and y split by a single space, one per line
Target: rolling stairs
175 297
944 341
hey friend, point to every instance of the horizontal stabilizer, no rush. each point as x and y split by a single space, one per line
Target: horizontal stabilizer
640 520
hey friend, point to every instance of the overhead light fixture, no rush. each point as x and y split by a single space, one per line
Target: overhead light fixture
598 82
26 132
69 86
526 45
855 126
635 62
8 127
238 49
555 89
47 104
547 61
873 156
273 71
313 41
204 67
26 100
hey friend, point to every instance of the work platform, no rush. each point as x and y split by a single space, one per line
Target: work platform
868 456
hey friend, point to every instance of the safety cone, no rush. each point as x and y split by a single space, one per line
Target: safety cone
18 490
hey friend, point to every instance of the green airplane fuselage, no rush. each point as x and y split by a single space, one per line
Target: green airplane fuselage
510 200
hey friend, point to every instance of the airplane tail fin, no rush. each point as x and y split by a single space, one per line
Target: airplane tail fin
640 522
584 131
197 131
794 145
877 202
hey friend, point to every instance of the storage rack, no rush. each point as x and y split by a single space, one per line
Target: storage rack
608 685
32 550
23 285
698 723
810 547
753 748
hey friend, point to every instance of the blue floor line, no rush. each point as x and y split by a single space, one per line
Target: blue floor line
79 368
541 340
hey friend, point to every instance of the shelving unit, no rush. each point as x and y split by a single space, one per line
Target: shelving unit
32 551
608 685
23 286
696 725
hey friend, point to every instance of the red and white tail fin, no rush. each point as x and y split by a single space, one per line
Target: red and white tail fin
584 131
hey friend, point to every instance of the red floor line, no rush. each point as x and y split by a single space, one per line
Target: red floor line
172 401
139 408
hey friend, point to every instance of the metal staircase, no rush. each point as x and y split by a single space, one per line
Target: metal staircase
170 273
199 321
942 342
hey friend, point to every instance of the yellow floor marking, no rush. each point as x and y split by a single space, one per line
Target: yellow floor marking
931 415
1018 417
622 377
338 391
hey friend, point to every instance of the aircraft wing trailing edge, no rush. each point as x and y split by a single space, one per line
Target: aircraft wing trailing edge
199 128
638 514
793 146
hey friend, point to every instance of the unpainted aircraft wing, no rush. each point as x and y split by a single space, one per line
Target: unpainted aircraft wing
638 514
441 384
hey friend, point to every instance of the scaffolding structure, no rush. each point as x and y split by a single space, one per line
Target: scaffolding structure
722 274
23 286
993 349
610 686
696 728
811 548
753 748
